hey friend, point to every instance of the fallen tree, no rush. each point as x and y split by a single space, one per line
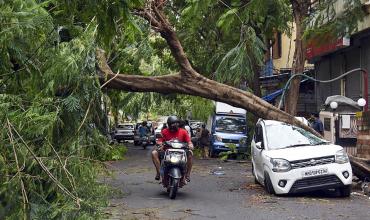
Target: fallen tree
360 167
190 82
187 81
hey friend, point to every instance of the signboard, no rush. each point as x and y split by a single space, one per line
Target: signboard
347 126
315 49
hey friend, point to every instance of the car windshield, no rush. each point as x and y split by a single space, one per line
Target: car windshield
230 124
125 127
284 136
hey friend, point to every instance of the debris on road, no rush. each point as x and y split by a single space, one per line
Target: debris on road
218 171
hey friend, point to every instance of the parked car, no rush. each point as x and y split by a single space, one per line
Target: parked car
288 159
124 131
227 125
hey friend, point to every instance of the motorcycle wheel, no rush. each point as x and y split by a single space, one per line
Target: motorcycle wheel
174 183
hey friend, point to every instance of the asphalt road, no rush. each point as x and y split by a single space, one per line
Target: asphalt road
208 196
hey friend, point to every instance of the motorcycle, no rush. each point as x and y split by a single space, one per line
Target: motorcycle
145 141
173 166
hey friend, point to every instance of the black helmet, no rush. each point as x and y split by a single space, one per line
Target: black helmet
171 120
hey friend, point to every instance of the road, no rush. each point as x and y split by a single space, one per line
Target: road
208 196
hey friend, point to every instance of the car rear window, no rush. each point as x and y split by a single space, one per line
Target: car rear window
128 127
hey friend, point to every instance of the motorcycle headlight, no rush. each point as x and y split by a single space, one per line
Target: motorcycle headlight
218 138
280 165
341 157
175 159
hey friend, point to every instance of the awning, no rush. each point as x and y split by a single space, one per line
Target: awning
272 96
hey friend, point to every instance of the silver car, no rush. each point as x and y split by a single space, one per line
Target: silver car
123 132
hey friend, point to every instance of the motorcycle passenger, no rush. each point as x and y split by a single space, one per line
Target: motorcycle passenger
173 132
143 129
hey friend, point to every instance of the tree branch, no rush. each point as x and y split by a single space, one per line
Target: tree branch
197 85
157 18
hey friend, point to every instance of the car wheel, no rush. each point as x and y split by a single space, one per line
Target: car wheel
136 143
254 175
345 191
268 185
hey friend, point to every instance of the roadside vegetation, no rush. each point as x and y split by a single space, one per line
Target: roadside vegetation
52 133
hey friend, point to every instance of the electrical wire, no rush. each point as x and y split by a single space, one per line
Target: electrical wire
315 80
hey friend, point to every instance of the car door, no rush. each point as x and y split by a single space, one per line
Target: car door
257 150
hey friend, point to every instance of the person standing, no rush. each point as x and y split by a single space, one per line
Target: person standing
317 124
204 141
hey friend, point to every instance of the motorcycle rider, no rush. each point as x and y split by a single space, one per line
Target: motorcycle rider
173 132
143 129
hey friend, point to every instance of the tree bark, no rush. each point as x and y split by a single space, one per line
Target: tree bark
256 85
198 86
360 167
300 11
188 81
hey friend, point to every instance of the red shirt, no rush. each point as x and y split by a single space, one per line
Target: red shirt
181 134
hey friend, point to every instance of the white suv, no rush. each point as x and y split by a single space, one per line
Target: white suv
289 159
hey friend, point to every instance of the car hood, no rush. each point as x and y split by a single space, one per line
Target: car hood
304 152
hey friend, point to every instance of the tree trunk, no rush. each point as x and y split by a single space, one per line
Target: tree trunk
256 85
300 11
197 85
360 167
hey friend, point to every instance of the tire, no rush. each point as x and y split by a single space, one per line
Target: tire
136 143
174 183
345 191
144 147
268 185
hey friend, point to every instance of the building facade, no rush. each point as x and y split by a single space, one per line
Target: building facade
333 59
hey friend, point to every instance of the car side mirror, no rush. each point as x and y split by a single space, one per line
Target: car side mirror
259 145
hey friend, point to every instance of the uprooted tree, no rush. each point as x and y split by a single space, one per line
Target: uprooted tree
187 81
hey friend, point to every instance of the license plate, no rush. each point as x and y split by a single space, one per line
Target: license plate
317 172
